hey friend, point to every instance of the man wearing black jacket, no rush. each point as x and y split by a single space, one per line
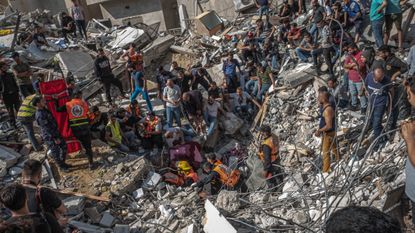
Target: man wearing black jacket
104 73
9 92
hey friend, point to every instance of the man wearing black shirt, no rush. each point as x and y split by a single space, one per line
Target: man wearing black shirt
9 92
40 199
104 73
39 38
184 81
68 26
14 198
319 14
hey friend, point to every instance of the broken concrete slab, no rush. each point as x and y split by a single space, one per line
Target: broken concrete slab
119 228
78 63
128 35
93 214
107 220
182 50
88 228
301 74
137 194
158 47
75 205
215 222
8 156
152 180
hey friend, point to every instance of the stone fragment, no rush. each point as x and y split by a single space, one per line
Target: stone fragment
215 222
75 205
137 194
93 214
228 200
25 151
9 156
119 228
152 180
107 220
15 171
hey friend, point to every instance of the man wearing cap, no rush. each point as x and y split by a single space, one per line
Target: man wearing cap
78 112
327 128
50 133
9 92
23 73
269 155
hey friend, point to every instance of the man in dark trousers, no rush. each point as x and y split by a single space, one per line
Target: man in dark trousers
41 199
327 128
50 133
268 154
78 112
378 85
394 68
26 116
104 73
9 92
23 72
68 26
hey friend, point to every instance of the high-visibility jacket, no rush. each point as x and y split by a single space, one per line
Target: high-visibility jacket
150 126
115 132
227 177
27 110
136 59
78 112
271 144
135 111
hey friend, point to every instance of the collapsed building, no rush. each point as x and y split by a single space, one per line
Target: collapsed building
127 194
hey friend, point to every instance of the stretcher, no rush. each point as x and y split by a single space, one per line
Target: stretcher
58 88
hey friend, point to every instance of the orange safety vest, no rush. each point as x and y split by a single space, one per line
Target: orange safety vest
191 175
136 111
228 178
137 59
78 112
271 144
150 126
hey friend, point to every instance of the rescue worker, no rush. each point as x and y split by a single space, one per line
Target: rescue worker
268 154
327 129
152 132
134 58
186 175
104 73
50 133
78 112
114 135
26 116
219 176
211 158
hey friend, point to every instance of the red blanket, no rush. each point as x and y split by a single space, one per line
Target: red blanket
59 88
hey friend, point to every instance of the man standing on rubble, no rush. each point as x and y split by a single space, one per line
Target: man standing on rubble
26 116
268 154
50 133
378 86
22 73
263 8
202 77
9 92
139 85
229 70
172 96
327 128
78 112
78 15
104 73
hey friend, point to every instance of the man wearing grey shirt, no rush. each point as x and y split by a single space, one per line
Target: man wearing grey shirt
172 97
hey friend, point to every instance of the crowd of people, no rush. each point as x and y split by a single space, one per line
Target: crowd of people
371 80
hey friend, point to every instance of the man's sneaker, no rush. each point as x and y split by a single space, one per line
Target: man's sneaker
64 167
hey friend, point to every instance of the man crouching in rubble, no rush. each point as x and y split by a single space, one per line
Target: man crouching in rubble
327 128
268 154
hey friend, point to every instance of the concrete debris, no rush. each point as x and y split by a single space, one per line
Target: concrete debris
75 205
8 156
214 221
228 200
107 220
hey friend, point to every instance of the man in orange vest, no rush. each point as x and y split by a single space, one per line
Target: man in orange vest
78 112
268 154
220 176
153 136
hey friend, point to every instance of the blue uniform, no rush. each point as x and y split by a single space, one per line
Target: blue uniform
50 132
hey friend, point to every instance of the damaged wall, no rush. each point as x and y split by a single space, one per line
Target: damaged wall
224 8
164 11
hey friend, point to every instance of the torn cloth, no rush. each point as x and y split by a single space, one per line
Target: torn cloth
59 88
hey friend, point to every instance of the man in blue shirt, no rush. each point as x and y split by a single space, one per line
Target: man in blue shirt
139 86
378 85
393 15
229 70
377 19
353 17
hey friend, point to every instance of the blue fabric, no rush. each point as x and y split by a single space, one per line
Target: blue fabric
378 91
173 112
393 7
138 91
374 15
211 122
251 85
377 116
302 54
137 77
352 9
229 68
264 89
263 2
377 28
28 127
323 121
